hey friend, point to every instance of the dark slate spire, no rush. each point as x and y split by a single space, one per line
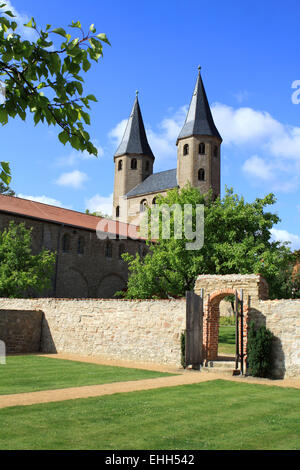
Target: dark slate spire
134 139
199 120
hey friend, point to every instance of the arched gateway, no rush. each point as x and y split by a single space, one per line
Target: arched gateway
215 288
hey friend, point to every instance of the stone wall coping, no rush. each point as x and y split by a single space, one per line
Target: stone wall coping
226 277
41 299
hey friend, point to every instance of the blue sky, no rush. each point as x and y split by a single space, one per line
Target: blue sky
249 53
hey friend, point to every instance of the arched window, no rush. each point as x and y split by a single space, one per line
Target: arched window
143 205
154 201
66 243
121 250
133 163
202 148
108 249
201 174
120 165
147 165
80 245
118 211
215 151
185 149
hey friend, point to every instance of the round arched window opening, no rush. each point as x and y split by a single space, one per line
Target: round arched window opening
133 163
201 174
202 148
185 149
66 243
143 205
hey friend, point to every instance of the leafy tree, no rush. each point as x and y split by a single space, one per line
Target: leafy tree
98 214
237 240
4 189
20 269
43 78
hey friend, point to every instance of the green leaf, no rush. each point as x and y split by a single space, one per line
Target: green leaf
31 24
5 166
5 178
9 13
103 37
91 98
64 137
92 28
60 31
76 25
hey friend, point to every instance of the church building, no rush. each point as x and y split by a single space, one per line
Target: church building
136 186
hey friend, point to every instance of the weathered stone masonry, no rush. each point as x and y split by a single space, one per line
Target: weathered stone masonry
149 330
143 331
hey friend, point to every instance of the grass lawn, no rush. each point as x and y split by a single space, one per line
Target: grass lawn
226 340
33 373
211 415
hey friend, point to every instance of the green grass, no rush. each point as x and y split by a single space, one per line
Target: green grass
210 415
226 340
33 373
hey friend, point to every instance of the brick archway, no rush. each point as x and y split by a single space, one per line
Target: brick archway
211 322
215 288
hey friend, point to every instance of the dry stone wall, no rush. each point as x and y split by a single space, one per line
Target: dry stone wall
142 331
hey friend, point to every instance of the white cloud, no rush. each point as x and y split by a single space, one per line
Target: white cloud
285 236
245 125
21 19
277 174
117 132
99 203
74 157
241 96
74 179
257 167
43 199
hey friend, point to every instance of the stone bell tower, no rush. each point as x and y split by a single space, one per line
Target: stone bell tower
133 159
199 145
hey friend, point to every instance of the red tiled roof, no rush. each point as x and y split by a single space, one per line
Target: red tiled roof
58 215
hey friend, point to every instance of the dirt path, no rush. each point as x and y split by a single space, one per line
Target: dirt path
183 378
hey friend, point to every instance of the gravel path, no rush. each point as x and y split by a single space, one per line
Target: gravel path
184 377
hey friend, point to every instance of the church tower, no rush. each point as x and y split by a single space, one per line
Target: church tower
133 159
199 145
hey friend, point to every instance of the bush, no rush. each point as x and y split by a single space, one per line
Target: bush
182 343
259 350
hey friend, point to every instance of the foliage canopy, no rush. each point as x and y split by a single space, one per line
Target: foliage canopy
43 77
237 240
21 271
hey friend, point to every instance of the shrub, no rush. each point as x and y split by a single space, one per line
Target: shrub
259 350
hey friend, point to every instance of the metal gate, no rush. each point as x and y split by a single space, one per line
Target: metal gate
194 330
239 331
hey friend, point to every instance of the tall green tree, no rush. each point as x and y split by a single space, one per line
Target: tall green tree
43 77
237 239
21 270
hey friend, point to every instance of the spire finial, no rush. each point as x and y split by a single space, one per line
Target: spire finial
137 93
199 68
